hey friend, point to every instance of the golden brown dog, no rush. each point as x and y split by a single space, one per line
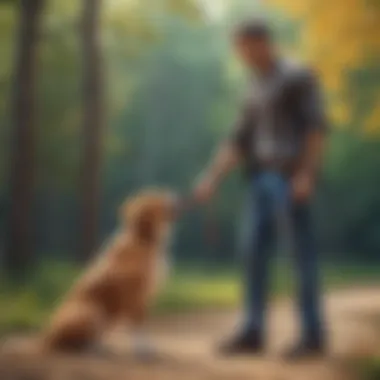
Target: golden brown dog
119 285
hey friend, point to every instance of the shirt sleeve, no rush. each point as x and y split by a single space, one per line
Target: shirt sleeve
312 103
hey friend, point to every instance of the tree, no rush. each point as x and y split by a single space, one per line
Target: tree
93 95
92 124
345 31
19 253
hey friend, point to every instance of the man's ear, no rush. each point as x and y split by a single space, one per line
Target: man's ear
145 227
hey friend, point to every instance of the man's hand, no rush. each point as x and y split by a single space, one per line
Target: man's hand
225 160
205 190
305 178
303 186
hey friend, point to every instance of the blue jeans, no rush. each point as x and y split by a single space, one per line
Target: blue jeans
272 212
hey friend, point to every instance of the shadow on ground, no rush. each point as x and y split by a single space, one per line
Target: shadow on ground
186 342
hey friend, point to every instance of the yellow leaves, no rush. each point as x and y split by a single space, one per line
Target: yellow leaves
340 114
338 37
342 28
332 78
372 124
296 8
126 16
333 32
187 8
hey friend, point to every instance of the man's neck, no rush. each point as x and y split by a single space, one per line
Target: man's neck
267 67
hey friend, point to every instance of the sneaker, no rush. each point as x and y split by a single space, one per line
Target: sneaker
242 344
305 351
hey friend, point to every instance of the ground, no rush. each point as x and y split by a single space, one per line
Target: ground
187 341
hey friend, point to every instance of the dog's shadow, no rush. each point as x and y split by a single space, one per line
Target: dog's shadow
143 359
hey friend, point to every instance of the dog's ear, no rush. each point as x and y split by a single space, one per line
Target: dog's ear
128 211
145 227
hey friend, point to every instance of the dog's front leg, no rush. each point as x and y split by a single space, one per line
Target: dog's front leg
142 346
117 333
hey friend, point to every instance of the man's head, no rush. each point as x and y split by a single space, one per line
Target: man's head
253 43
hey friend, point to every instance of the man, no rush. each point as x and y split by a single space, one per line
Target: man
279 140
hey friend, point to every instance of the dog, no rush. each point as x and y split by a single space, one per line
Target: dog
119 287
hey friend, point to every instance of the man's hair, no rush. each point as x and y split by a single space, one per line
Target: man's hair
255 29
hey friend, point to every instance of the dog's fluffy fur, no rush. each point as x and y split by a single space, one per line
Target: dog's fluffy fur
119 285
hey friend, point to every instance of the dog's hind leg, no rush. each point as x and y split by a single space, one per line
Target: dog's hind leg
75 329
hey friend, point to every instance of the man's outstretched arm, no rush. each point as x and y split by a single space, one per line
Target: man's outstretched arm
225 160
229 155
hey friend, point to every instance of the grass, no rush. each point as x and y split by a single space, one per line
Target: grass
367 369
188 289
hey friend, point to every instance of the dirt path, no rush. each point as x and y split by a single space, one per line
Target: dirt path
188 340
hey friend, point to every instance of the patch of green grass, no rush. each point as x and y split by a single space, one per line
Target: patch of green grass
187 289
27 307
368 369
198 291
195 288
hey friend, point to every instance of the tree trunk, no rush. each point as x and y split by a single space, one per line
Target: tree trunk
92 125
19 253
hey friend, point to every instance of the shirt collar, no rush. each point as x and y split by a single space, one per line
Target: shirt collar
276 68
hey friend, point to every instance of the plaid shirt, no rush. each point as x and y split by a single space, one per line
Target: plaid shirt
280 110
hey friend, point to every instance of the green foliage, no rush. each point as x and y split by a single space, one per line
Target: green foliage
7 29
368 369
24 308
172 91
350 204
189 288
